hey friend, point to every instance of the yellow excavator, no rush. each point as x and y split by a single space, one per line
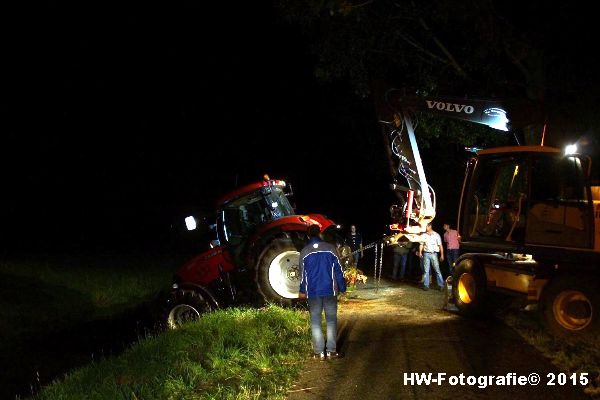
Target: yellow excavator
528 216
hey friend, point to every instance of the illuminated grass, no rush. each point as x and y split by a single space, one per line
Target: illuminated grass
231 354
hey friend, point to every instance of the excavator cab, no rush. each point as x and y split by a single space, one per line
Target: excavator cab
527 196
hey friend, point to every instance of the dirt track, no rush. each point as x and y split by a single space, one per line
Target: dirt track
404 329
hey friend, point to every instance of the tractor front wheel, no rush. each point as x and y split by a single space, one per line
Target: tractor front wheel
185 306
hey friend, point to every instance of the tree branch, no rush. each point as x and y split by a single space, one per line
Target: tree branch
517 62
366 3
422 48
444 49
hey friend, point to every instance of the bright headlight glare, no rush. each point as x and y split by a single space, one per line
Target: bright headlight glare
571 149
190 223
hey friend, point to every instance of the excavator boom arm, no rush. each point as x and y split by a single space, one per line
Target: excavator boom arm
500 115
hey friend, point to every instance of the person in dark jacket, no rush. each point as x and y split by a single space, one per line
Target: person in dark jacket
354 240
322 280
400 253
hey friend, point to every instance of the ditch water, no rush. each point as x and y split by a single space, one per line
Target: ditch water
29 363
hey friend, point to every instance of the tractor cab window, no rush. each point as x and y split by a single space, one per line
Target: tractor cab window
497 208
277 203
213 236
229 228
240 217
560 211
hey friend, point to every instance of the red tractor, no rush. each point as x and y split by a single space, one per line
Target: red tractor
254 256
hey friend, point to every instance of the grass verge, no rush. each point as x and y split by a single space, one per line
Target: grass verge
38 294
568 356
230 354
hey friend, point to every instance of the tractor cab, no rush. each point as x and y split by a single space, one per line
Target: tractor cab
241 212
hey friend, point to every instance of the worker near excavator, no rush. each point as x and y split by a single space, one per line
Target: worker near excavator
452 240
429 248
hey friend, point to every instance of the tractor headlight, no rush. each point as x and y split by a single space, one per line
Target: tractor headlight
190 223
571 149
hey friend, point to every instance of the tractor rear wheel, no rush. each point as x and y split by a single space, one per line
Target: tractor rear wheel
570 307
278 272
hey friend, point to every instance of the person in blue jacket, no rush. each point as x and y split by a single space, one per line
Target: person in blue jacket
322 281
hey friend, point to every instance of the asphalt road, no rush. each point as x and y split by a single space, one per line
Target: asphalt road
401 329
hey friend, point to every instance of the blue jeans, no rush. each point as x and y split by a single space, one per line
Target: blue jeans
399 261
452 255
316 305
432 259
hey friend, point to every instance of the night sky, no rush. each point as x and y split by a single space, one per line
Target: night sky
117 125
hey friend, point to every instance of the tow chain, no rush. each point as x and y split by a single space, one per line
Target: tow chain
375 266
381 263
366 247
378 260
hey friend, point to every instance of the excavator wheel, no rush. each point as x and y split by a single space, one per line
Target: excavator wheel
570 307
469 289
278 273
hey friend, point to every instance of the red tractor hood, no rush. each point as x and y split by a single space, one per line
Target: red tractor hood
296 223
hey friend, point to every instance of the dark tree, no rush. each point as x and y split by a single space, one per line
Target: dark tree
482 48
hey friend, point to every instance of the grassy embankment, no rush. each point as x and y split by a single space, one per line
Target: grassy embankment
231 354
42 294
582 356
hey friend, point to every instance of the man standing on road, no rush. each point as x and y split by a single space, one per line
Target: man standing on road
400 253
452 240
322 281
354 240
428 249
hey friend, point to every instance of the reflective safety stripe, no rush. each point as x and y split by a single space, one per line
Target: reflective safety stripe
333 279
306 282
